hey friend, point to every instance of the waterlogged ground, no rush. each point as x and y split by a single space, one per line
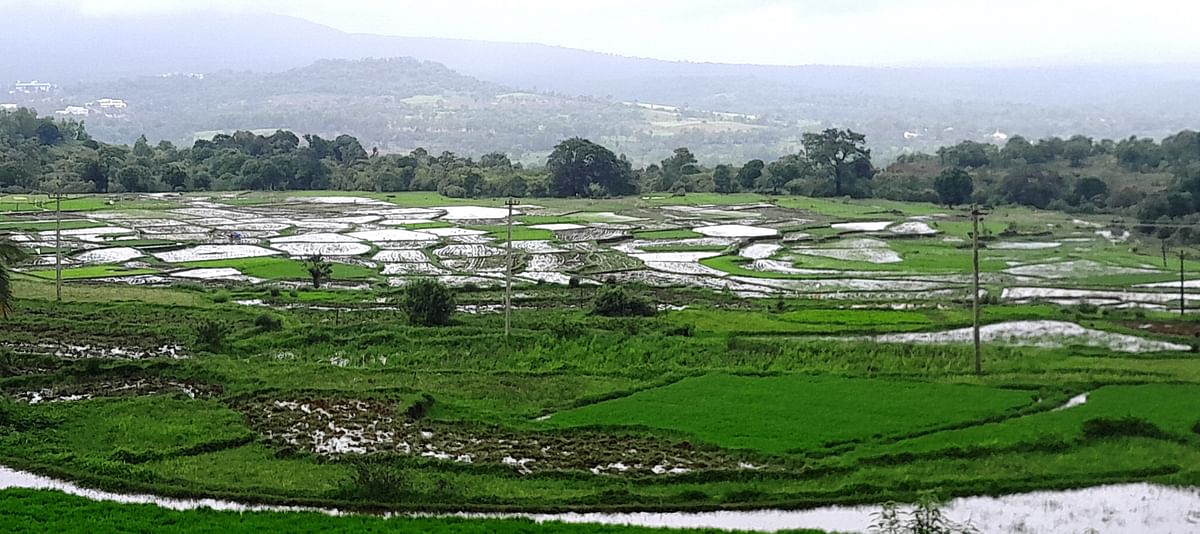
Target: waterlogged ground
806 353
1115 509
339 427
852 251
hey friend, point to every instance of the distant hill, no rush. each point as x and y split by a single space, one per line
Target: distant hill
399 104
900 109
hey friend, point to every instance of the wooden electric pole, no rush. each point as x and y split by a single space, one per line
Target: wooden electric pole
975 215
1182 295
508 270
58 246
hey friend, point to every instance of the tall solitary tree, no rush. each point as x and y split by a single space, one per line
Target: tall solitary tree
843 154
579 167
954 186
723 179
9 254
749 174
318 269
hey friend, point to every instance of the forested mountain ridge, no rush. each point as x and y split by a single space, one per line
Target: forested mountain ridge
900 109
399 104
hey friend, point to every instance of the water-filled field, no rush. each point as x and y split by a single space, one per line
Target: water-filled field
801 353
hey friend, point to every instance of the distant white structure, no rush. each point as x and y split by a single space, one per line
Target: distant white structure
999 136
111 103
32 87
73 110
8 107
911 135
192 75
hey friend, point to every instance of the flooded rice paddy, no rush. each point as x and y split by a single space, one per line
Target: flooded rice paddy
743 248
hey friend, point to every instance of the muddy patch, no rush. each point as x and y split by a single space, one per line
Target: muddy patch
348 427
78 352
116 388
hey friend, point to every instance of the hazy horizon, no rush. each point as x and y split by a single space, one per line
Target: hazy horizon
765 32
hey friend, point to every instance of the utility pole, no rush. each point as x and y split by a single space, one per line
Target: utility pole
975 215
1182 295
508 270
58 246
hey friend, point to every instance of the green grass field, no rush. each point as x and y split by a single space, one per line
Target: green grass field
94 271
795 412
283 269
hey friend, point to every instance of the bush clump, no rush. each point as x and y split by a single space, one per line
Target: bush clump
210 334
1105 427
427 302
268 323
378 479
615 301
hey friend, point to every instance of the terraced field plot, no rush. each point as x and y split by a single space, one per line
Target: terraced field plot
868 250
795 412
805 352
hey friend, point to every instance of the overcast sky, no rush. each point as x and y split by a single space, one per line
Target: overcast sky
861 32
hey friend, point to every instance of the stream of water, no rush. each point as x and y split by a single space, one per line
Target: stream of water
1120 509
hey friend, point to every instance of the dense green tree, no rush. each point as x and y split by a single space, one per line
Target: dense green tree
1018 150
1139 154
749 174
49 134
1090 189
842 155
678 167
967 154
723 179
1032 186
427 302
954 186
576 165
1077 149
134 178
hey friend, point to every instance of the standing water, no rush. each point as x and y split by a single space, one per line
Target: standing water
1123 508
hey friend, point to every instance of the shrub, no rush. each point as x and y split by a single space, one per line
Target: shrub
427 302
454 191
220 297
268 323
275 292
615 301
574 281
294 293
379 480
567 329
1104 427
210 334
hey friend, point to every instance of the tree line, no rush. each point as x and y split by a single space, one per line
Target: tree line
1075 174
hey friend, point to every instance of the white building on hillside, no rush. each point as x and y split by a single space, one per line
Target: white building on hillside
32 87
73 110
111 103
